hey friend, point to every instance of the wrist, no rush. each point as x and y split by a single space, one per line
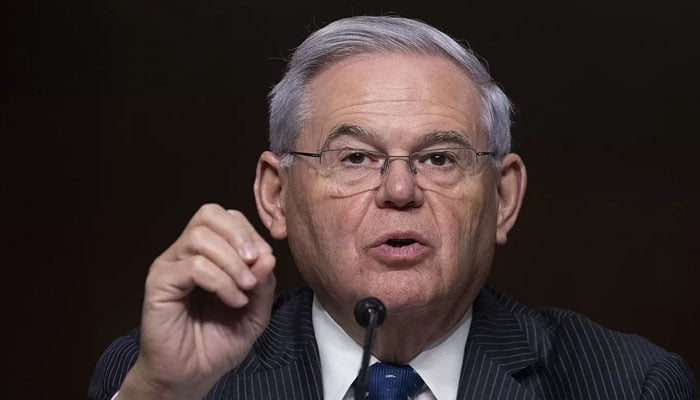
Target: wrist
140 384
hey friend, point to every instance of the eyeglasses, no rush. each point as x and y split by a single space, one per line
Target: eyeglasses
356 169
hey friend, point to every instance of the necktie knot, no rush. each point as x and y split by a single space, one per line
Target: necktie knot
393 382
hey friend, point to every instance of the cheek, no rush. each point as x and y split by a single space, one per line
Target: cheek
322 225
335 217
468 228
481 232
323 242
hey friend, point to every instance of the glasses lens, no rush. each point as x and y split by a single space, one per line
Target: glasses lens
444 167
355 170
352 168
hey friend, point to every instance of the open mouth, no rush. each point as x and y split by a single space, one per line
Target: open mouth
400 249
400 242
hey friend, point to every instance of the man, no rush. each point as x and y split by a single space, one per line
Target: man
391 176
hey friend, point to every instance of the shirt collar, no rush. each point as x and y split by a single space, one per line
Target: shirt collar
440 365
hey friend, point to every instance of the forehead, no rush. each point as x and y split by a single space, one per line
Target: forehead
400 97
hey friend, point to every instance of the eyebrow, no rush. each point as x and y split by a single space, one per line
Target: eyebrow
353 131
370 137
439 137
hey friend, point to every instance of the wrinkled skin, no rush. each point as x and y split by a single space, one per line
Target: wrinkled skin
338 239
208 296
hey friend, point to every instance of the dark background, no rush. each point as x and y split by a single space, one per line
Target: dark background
119 118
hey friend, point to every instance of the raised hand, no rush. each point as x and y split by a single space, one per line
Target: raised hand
207 299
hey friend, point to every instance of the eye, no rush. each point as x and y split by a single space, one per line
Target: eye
439 158
355 157
359 157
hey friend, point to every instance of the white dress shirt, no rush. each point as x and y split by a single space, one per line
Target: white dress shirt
440 365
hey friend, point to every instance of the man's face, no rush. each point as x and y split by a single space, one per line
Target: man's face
415 247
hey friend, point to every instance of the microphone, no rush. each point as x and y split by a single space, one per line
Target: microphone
369 313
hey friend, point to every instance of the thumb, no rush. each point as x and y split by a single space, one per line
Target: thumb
262 294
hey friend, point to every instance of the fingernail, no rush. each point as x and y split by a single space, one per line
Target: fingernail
242 299
248 280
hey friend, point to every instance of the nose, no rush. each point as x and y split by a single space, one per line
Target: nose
398 188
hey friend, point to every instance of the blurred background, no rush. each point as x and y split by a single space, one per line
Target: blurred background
118 119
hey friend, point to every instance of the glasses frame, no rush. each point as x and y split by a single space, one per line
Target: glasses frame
385 164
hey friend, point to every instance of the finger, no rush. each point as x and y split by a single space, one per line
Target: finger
263 266
261 297
204 241
248 239
234 227
178 279
211 278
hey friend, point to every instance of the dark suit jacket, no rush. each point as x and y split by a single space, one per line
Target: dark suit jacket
513 352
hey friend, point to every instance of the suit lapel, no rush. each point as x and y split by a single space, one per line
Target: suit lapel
498 350
284 363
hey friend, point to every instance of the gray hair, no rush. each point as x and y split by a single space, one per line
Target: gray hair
289 108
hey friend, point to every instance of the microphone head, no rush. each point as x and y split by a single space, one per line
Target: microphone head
364 308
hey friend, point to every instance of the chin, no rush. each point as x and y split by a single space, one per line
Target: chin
402 296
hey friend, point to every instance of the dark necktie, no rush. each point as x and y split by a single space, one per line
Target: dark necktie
393 382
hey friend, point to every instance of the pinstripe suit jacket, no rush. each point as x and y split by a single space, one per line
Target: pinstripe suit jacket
513 352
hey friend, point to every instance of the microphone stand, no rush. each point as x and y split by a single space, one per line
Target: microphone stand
370 313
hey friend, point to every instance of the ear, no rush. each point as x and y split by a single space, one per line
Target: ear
269 196
511 191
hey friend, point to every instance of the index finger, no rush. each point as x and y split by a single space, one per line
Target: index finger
235 228
249 239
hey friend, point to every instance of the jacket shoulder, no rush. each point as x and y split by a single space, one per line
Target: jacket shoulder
579 358
113 365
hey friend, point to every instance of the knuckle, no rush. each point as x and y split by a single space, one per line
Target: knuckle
265 246
199 264
198 237
157 265
235 213
156 271
209 210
